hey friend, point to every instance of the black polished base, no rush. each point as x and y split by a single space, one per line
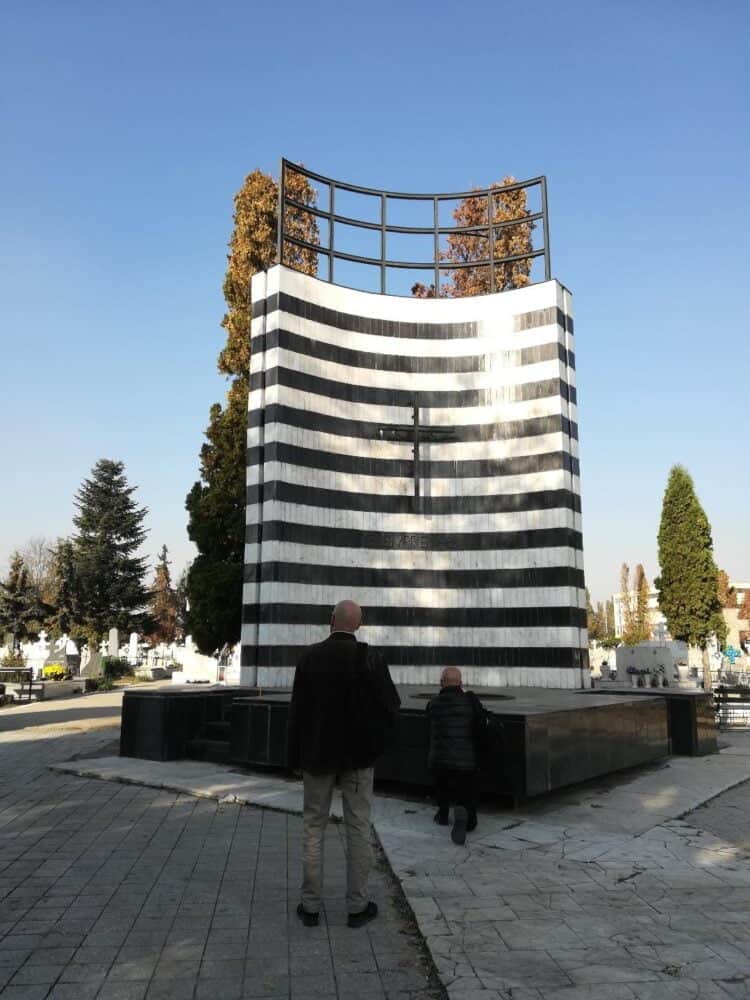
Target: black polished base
541 739
690 716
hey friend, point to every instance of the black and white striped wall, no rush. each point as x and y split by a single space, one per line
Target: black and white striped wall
486 572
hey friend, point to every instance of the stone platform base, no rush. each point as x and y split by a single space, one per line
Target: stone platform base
542 739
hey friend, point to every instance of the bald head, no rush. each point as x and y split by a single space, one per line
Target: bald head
450 677
346 617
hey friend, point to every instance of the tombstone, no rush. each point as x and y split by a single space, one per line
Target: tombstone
133 649
73 656
113 648
56 653
93 666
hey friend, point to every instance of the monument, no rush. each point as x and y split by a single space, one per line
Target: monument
417 454
420 455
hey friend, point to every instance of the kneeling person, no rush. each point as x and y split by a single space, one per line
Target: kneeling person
457 722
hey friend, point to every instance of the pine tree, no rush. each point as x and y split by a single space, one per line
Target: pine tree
216 504
19 607
66 599
110 532
163 603
688 584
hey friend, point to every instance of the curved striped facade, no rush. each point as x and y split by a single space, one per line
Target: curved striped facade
484 569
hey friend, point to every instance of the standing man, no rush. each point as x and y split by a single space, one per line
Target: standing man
343 704
458 735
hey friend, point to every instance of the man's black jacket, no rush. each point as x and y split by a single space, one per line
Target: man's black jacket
457 730
343 703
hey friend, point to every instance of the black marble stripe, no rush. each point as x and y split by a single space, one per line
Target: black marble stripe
428 541
420 617
370 429
303 382
386 503
386 327
313 458
434 656
362 577
336 354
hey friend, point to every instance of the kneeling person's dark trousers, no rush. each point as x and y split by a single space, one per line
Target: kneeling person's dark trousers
457 788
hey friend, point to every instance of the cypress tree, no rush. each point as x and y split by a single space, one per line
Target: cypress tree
216 503
110 531
688 584
163 606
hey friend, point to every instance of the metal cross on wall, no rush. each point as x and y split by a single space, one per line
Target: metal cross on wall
417 433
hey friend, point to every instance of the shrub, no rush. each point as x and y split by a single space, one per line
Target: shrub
54 672
13 660
99 684
114 667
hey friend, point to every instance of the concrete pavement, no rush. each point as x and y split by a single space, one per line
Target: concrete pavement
626 888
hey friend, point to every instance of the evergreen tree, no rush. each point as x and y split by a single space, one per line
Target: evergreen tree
216 504
163 605
594 622
641 626
609 618
627 608
66 615
19 606
110 532
688 584
181 601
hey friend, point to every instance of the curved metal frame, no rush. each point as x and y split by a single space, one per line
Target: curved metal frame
436 230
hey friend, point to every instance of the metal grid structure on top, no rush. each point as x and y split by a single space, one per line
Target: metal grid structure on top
439 263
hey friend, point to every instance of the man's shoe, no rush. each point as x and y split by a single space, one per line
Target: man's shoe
458 833
364 916
441 818
308 919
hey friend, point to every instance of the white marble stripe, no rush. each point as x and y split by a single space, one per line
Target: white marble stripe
428 635
495 378
405 559
275 592
446 451
491 342
326 479
498 412
443 524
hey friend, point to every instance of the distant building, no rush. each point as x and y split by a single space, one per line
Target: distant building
738 629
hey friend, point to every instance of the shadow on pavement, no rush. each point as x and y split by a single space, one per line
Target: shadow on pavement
13 720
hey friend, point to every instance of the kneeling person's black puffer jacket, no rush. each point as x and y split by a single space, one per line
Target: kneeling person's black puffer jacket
455 719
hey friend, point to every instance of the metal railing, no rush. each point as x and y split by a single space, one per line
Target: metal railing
440 263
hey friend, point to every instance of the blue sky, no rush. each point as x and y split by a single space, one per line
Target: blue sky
127 127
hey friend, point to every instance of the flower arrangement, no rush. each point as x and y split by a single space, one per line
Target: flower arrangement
54 672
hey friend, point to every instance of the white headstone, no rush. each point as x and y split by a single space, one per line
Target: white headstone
113 648
133 649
